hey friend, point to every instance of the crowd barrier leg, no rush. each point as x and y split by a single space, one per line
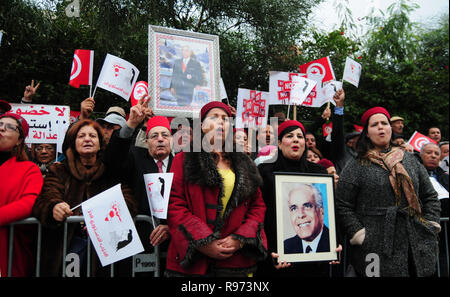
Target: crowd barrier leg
27 221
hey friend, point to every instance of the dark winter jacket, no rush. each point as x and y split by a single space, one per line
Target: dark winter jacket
365 199
72 183
266 170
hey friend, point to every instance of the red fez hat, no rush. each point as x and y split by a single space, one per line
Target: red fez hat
22 121
374 110
5 105
325 163
290 123
158 121
214 104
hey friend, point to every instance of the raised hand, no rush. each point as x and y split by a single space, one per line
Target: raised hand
138 112
30 90
339 97
87 107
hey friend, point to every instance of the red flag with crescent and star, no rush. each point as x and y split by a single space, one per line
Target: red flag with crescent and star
417 140
82 68
140 89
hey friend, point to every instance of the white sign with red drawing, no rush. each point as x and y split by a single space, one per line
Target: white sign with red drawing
252 108
48 123
352 71
110 226
158 186
117 76
300 89
280 84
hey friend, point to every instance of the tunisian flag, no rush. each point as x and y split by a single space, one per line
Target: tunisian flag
319 70
82 67
417 140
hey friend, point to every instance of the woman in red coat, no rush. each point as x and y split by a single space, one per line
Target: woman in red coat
216 211
20 184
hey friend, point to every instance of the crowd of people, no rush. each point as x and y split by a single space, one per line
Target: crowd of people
221 217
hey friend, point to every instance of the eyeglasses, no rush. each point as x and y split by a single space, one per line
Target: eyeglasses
9 127
47 148
155 136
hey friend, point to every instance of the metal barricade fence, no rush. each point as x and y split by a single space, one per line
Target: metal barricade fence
444 231
152 259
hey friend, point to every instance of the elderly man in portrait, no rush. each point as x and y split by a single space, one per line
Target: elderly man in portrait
307 218
187 75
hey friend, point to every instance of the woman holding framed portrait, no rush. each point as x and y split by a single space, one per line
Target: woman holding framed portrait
291 158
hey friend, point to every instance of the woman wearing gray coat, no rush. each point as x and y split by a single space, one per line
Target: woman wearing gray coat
387 206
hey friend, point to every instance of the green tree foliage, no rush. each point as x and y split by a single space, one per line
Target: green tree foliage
405 67
40 40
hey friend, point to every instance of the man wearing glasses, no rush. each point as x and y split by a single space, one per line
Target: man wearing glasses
307 218
132 162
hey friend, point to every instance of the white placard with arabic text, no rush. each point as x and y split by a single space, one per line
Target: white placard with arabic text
48 123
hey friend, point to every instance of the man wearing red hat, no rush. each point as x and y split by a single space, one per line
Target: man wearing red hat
132 162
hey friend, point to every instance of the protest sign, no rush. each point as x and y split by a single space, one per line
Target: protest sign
417 140
280 87
252 108
327 128
441 191
82 68
48 123
140 89
300 89
158 186
110 226
117 76
352 71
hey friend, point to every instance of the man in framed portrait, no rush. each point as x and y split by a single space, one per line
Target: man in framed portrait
187 75
306 214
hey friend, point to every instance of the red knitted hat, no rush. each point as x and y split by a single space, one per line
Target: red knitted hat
22 121
370 112
290 123
5 105
214 104
157 121
325 163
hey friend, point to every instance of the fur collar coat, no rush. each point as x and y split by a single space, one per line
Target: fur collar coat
73 183
194 220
